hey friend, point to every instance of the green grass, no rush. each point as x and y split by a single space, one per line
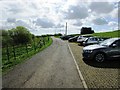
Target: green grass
104 34
21 56
57 36
108 34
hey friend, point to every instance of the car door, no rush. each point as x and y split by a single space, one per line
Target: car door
93 41
96 40
114 51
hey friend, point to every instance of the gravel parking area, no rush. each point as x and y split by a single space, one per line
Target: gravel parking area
97 75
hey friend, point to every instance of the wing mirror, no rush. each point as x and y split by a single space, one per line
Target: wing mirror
83 42
114 45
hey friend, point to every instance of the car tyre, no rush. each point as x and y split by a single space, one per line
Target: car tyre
99 57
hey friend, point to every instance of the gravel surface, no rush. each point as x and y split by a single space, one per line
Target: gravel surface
97 75
52 68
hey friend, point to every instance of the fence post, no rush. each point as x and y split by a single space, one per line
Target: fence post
26 48
34 44
40 43
44 40
14 52
20 49
48 38
7 53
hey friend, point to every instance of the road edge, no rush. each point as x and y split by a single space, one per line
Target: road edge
77 67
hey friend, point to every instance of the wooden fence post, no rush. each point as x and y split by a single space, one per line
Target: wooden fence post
26 48
44 40
20 49
7 51
40 43
34 45
14 52
48 38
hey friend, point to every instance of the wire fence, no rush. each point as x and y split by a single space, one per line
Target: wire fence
14 53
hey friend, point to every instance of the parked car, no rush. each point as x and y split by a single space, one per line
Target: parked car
92 40
73 39
105 38
107 49
82 37
82 40
66 37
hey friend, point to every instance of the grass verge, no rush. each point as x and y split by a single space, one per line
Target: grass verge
12 63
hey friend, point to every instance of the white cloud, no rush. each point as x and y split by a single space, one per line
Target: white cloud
76 12
101 7
44 23
59 25
12 23
113 24
114 13
15 9
22 23
40 15
99 21
6 25
11 20
78 23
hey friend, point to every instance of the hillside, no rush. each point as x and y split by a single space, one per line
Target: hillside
108 34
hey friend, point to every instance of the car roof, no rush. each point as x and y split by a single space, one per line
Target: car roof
115 38
92 37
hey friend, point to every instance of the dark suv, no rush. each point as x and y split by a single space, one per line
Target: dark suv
107 49
66 37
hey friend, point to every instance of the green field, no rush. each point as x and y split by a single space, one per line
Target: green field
103 34
108 34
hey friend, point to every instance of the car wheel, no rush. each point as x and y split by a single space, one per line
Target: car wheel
100 57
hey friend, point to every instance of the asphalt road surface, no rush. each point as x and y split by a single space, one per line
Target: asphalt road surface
54 67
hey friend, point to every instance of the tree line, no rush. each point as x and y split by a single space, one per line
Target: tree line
15 36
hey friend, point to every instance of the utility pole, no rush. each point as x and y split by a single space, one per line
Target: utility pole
66 29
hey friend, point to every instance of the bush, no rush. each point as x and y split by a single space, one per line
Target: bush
18 35
6 39
21 35
59 34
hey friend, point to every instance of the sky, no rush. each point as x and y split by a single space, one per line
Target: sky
50 16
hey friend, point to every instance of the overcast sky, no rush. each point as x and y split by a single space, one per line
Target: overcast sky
50 16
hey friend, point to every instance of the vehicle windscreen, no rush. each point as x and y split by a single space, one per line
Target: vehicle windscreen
107 42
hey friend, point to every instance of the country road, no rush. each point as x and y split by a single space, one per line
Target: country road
54 67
